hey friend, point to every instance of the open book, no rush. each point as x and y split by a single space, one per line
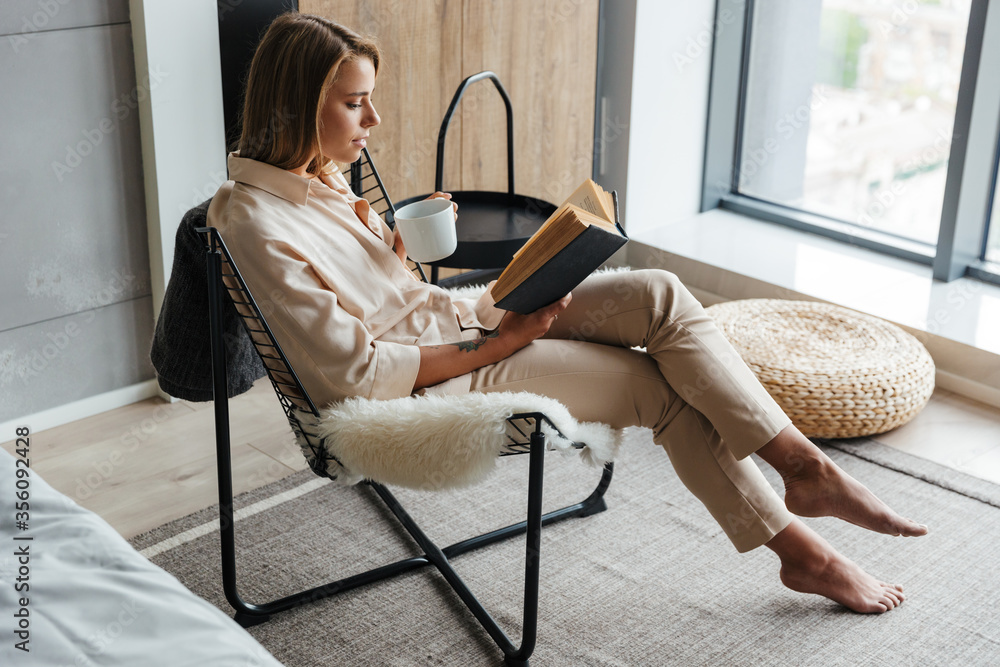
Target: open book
580 236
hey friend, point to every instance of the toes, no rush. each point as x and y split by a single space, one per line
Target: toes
893 593
889 600
895 587
879 606
894 590
910 528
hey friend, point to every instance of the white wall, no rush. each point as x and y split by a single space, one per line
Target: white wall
673 58
183 133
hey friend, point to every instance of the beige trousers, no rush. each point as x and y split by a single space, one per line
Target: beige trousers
705 407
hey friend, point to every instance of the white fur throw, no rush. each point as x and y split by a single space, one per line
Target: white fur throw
435 442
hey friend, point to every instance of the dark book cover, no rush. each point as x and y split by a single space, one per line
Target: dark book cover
570 266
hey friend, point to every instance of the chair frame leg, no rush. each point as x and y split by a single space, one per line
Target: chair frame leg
248 614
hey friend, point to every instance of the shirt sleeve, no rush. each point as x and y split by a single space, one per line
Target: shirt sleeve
331 350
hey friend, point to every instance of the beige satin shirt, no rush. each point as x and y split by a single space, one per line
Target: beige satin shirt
347 313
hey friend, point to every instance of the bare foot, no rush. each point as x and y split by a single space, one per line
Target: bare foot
821 488
810 565
844 582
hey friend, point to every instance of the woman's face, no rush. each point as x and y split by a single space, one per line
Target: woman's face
347 114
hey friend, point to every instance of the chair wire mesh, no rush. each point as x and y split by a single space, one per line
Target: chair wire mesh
293 397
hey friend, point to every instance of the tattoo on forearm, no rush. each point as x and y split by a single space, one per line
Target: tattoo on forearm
471 345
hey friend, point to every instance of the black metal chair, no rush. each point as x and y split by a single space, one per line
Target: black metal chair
224 279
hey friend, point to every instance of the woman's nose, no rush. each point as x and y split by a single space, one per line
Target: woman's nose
372 118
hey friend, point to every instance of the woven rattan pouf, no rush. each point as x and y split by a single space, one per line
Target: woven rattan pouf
835 372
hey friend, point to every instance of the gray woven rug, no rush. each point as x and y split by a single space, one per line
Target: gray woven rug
652 581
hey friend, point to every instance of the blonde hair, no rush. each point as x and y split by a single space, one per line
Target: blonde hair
296 61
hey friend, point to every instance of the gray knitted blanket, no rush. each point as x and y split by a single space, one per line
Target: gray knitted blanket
180 352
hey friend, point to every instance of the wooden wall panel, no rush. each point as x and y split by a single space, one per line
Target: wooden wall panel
545 53
421 65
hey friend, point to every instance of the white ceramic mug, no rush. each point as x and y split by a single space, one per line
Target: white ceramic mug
428 229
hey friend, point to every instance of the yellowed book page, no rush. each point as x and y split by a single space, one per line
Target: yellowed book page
517 271
556 215
590 197
609 204
590 219
562 227
586 197
560 234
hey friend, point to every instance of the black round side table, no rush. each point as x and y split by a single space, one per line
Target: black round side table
491 226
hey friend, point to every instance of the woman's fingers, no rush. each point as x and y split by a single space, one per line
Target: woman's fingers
445 195
551 312
561 304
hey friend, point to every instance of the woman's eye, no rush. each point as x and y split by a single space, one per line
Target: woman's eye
353 106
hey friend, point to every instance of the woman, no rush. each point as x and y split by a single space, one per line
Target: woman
354 321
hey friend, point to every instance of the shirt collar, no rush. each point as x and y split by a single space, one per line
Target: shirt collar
279 182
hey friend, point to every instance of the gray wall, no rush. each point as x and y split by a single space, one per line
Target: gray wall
75 306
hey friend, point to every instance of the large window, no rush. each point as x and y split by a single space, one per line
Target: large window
863 119
863 108
993 242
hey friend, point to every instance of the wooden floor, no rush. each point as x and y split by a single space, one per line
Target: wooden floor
150 462
144 464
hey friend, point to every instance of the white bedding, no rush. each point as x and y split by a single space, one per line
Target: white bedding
93 600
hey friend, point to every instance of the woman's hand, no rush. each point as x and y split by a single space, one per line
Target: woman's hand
518 330
443 362
446 195
397 244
